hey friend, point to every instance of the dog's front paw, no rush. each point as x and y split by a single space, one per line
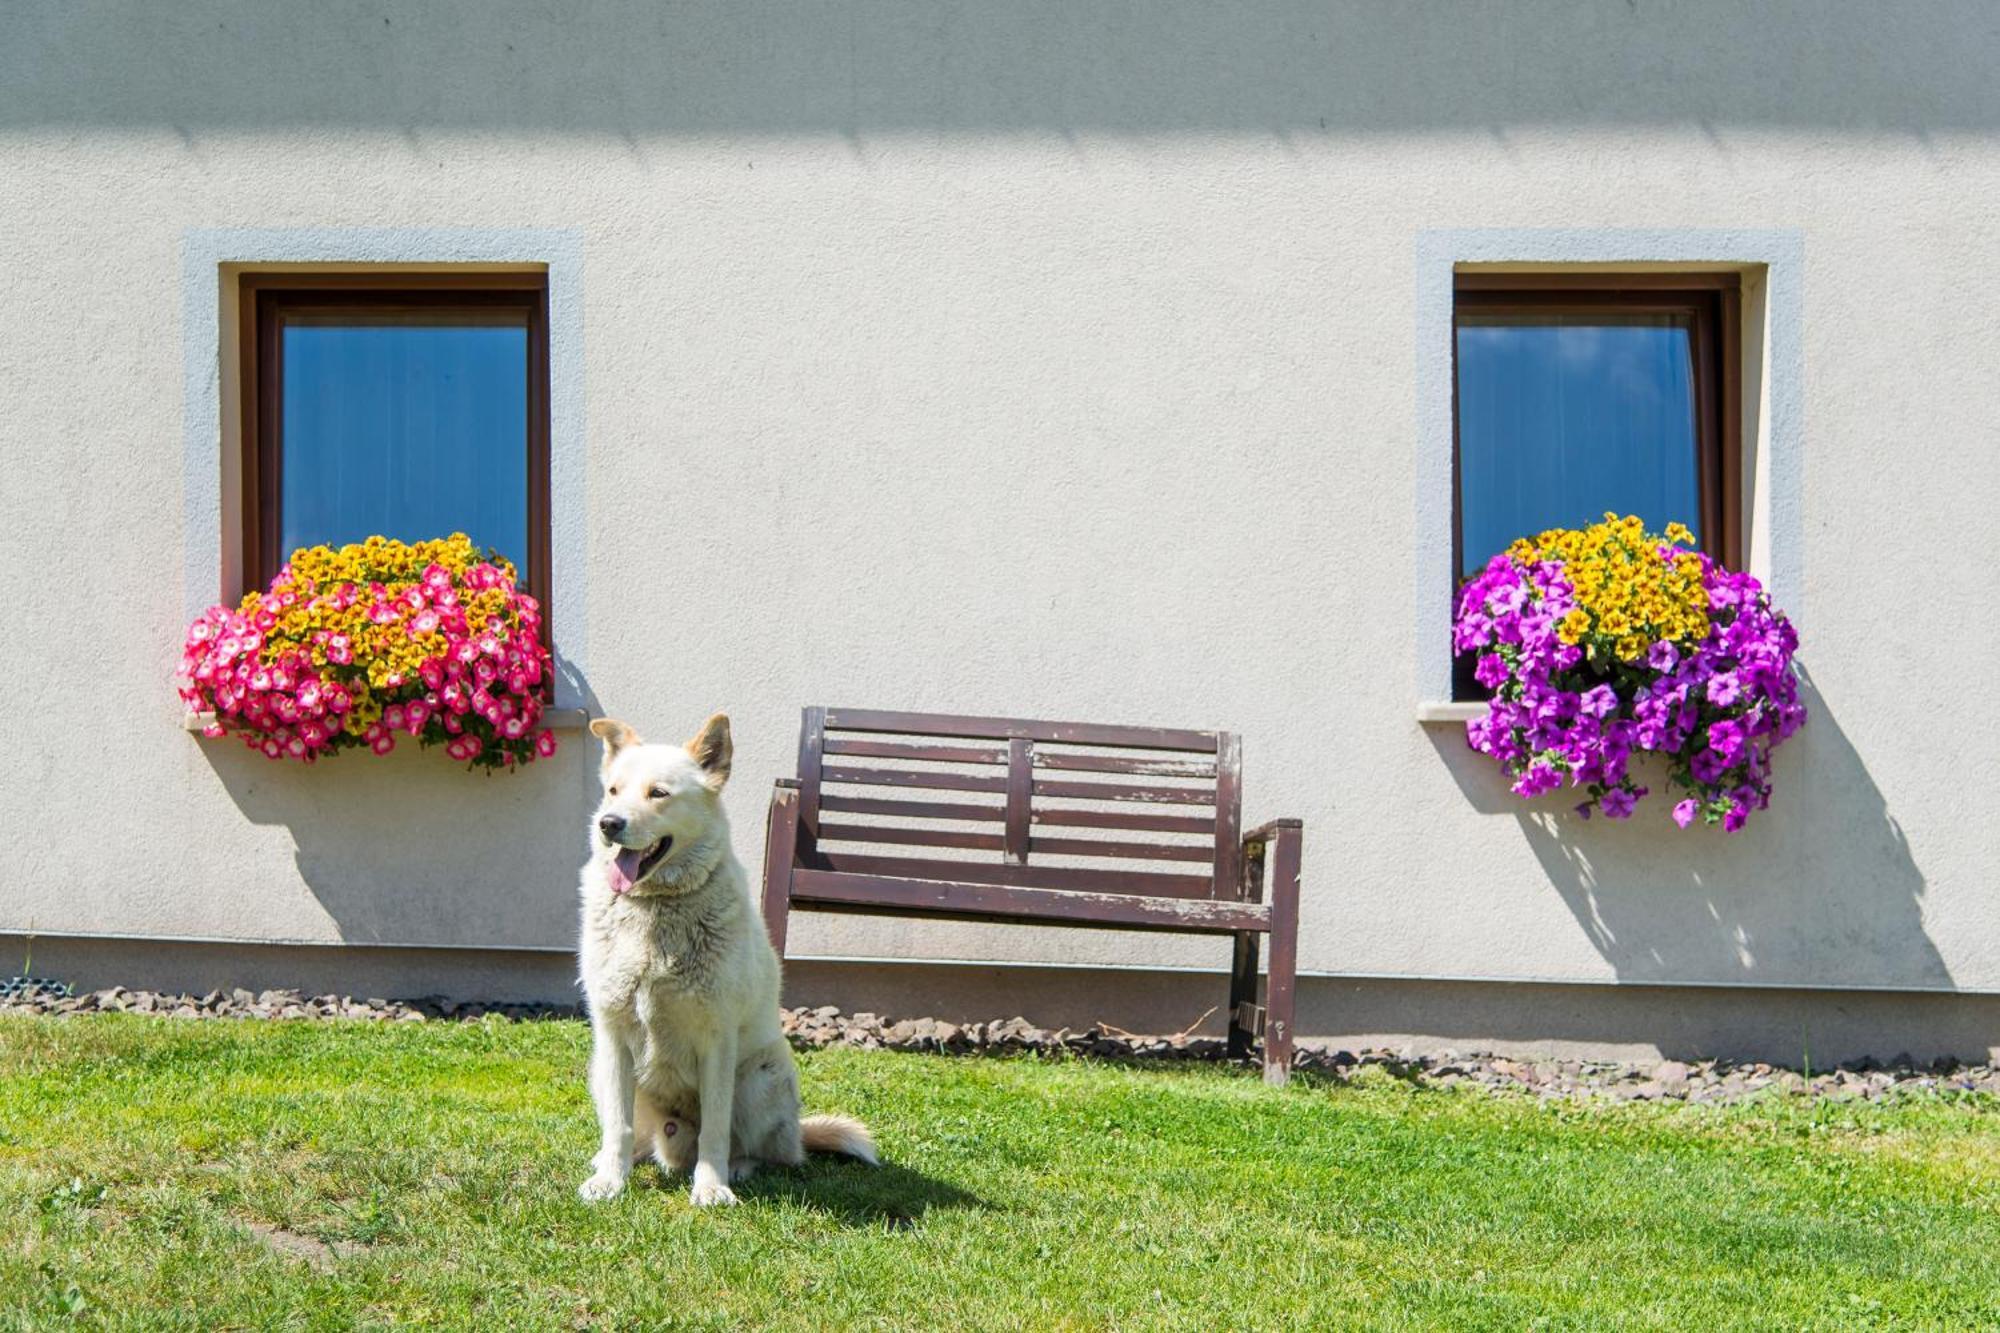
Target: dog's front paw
604 1185
711 1193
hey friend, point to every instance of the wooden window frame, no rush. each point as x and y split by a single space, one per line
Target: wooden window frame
263 298
1713 304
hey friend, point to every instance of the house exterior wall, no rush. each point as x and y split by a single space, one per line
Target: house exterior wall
1052 361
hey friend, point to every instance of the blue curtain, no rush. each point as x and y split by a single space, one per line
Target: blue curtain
1563 417
409 427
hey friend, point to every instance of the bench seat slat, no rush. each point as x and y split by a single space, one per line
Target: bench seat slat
914 837
895 777
1112 763
1125 791
943 897
1137 820
942 754
1130 851
1158 884
878 805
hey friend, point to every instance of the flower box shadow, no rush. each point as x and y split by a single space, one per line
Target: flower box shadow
1822 889
410 848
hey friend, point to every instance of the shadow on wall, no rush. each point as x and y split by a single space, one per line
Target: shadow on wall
1819 890
1280 67
410 848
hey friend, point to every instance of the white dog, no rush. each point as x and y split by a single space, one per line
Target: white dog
689 1063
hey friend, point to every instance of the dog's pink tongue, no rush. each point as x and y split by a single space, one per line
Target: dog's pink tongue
625 869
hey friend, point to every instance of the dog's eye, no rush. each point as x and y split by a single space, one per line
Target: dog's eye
657 794
614 791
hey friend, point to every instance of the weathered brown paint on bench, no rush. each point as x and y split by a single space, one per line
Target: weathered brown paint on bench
870 868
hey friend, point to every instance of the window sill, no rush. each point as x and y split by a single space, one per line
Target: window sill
1450 710
556 719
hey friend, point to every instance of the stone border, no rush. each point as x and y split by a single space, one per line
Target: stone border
1705 1081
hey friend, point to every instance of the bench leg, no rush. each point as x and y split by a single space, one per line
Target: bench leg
1243 995
781 839
1282 984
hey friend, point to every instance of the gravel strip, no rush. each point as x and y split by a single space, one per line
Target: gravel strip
1709 1081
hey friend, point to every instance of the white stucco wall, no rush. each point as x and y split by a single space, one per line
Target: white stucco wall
1051 360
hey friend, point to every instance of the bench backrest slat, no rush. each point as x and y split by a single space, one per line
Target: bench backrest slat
1008 801
1009 728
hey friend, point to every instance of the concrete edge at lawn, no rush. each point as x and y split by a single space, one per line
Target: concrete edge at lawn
1707 1081
1631 1023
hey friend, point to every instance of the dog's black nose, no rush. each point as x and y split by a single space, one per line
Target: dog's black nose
611 825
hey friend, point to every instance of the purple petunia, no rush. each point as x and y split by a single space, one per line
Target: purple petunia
1580 714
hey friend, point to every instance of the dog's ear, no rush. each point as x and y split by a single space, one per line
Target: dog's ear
713 750
615 735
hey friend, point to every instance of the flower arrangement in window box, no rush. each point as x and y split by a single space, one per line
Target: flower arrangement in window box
356 645
1607 642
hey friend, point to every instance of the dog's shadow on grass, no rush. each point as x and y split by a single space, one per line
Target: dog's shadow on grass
891 1196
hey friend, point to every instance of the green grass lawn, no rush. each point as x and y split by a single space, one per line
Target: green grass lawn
153 1172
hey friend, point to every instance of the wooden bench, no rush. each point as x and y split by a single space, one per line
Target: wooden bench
893 813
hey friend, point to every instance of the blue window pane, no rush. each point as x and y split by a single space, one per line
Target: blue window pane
1563 417
411 427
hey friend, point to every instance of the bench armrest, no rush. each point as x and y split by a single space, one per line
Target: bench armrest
1268 831
788 783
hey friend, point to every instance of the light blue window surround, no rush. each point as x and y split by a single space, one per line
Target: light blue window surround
1772 263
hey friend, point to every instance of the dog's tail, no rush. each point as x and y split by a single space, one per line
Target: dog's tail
839 1133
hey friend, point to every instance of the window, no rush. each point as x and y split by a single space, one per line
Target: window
411 405
1580 394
